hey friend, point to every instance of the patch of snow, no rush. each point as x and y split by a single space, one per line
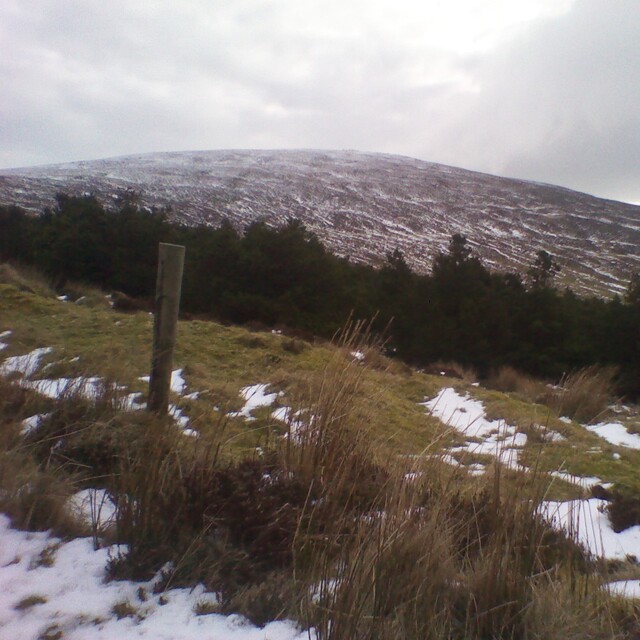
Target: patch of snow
467 416
32 422
586 482
616 408
71 598
3 335
26 364
255 396
132 402
181 420
548 435
588 522
447 458
616 434
178 384
476 469
565 419
292 419
89 388
94 507
357 355
461 412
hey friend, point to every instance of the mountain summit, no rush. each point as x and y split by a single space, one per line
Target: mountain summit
365 205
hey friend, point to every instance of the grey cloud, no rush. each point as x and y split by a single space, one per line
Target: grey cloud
560 105
90 79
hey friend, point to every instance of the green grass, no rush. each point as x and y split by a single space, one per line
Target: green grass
217 361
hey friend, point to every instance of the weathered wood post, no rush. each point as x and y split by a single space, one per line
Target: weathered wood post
167 304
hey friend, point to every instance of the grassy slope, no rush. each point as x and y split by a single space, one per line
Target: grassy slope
219 360
90 339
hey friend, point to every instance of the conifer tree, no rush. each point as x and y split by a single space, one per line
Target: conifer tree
543 270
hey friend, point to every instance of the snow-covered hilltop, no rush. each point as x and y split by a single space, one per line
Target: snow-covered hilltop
364 205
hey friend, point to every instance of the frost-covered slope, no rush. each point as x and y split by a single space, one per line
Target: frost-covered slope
365 205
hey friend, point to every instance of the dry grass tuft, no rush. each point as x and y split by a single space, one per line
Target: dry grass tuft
25 279
36 499
444 564
33 496
510 380
585 394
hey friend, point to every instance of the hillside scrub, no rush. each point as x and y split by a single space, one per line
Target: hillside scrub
284 277
314 518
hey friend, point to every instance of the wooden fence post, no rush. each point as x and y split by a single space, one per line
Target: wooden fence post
167 304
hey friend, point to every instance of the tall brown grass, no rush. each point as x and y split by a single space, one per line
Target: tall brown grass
25 278
584 395
33 495
467 564
510 380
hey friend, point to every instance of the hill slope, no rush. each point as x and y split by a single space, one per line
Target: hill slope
232 500
365 205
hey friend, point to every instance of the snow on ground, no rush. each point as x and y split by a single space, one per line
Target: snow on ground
34 598
58 589
255 396
548 435
26 365
588 520
32 422
178 383
293 420
90 388
94 507
485 437
586 482
3 336
616 434
502 441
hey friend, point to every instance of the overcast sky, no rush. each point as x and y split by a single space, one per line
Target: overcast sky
547 90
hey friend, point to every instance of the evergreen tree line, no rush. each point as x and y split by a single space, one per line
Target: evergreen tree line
285 277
